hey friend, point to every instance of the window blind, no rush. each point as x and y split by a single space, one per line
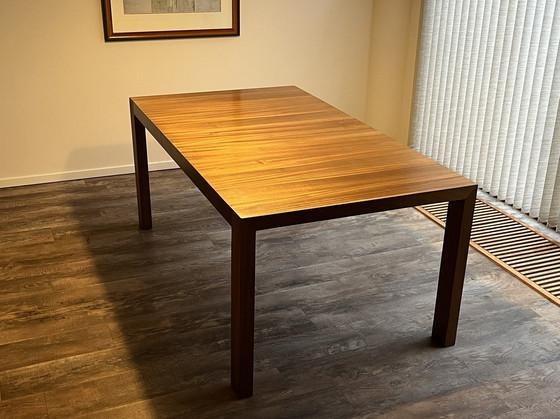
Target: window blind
488 95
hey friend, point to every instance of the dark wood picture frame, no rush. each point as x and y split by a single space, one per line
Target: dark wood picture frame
113 33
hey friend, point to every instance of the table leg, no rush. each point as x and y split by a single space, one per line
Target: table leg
142 174
452 270
243 242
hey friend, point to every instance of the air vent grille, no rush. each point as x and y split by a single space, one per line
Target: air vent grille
522 251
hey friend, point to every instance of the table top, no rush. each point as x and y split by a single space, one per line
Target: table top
278 150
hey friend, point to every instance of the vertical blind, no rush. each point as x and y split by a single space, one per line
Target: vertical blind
488 95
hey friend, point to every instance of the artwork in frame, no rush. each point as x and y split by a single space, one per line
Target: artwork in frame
127 20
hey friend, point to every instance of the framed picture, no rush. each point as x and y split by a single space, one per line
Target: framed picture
127 20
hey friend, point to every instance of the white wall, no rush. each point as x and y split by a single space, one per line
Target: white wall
64 108
394 40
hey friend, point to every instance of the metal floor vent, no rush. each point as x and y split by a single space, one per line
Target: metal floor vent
516 247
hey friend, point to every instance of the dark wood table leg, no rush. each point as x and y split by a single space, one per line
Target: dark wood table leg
142 174
452 270
243 242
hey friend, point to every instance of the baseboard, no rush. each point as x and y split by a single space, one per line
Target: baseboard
80 174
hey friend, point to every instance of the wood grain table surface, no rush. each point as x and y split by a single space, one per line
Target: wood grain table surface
278 156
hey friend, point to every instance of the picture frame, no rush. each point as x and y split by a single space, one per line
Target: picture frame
132 20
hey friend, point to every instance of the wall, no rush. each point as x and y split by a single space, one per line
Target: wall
395 26
64 110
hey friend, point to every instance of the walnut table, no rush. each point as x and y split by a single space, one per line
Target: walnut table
273 157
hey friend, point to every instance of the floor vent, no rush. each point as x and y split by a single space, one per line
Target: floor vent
522 251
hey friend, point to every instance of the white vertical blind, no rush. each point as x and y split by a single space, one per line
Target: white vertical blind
488 97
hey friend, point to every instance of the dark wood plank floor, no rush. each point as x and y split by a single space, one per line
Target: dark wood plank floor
101 320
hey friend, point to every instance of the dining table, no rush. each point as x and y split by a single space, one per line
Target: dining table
271 157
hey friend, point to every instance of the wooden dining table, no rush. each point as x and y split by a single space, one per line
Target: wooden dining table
279 156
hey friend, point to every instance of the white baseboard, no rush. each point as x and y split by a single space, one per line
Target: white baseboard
80 174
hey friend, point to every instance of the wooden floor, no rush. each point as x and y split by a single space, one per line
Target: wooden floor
101 320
